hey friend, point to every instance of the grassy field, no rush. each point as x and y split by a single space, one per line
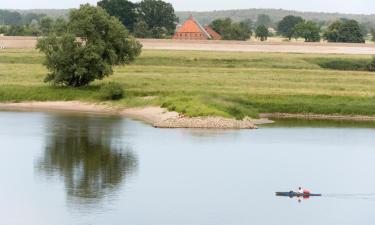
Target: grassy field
210 83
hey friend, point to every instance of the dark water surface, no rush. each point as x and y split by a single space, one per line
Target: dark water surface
65 169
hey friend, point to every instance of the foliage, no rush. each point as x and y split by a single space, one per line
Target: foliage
94 44
46 25
262 33
232 31
111 91
159 16
276 15
371 65
307 30
141 30
3 29
286 26
60 26
342 64
373 34
124 10
347 31
263 19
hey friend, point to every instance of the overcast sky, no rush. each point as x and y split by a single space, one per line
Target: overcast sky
344 6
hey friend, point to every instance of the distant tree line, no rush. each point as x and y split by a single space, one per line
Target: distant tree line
157 19
30 24
144 19
343 30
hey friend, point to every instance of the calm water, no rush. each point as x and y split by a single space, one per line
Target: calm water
64 169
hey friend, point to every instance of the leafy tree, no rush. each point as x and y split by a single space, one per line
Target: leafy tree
332 33
14 30
287 24
373 34
262 33
95 42
46 25
3 29
124 10
230 30
371 65
141 30
159 16
60 26
221 26
347 31
307 30
264 19
364 29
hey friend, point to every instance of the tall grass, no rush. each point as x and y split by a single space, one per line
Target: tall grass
210 83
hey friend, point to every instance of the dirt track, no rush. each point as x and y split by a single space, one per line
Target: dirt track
236 46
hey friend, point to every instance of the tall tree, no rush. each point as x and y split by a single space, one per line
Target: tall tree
124 10
307 30
346 31
232 31
95 42
262 33
373 34
287 24
46 25
158 15
141 30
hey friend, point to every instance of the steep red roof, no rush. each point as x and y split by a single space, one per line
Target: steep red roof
190 26
191 29
214 35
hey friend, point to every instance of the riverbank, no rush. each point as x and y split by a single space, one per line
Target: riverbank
209 84
155 116
162 118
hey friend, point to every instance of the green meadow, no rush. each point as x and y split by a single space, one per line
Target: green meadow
198 83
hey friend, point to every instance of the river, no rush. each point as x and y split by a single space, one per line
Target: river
79 169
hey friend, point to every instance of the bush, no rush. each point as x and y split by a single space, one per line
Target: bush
371 65
111 91
343 64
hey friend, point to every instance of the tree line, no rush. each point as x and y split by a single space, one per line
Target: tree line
342 30
157 19
144 19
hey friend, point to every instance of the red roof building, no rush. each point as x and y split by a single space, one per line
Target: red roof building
192 30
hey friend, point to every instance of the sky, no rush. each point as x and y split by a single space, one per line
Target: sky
342 6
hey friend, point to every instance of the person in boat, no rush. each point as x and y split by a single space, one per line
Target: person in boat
303 192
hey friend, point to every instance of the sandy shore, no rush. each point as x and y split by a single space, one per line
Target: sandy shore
156 116
227 46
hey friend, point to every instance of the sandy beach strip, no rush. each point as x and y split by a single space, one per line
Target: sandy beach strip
155 116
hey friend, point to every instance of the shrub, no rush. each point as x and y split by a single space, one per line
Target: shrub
342 64
111 91
371 65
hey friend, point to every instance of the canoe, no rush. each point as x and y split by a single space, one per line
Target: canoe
293 194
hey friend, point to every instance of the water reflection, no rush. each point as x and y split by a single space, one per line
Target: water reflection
88 154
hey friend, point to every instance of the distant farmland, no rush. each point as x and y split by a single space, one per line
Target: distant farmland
225 46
